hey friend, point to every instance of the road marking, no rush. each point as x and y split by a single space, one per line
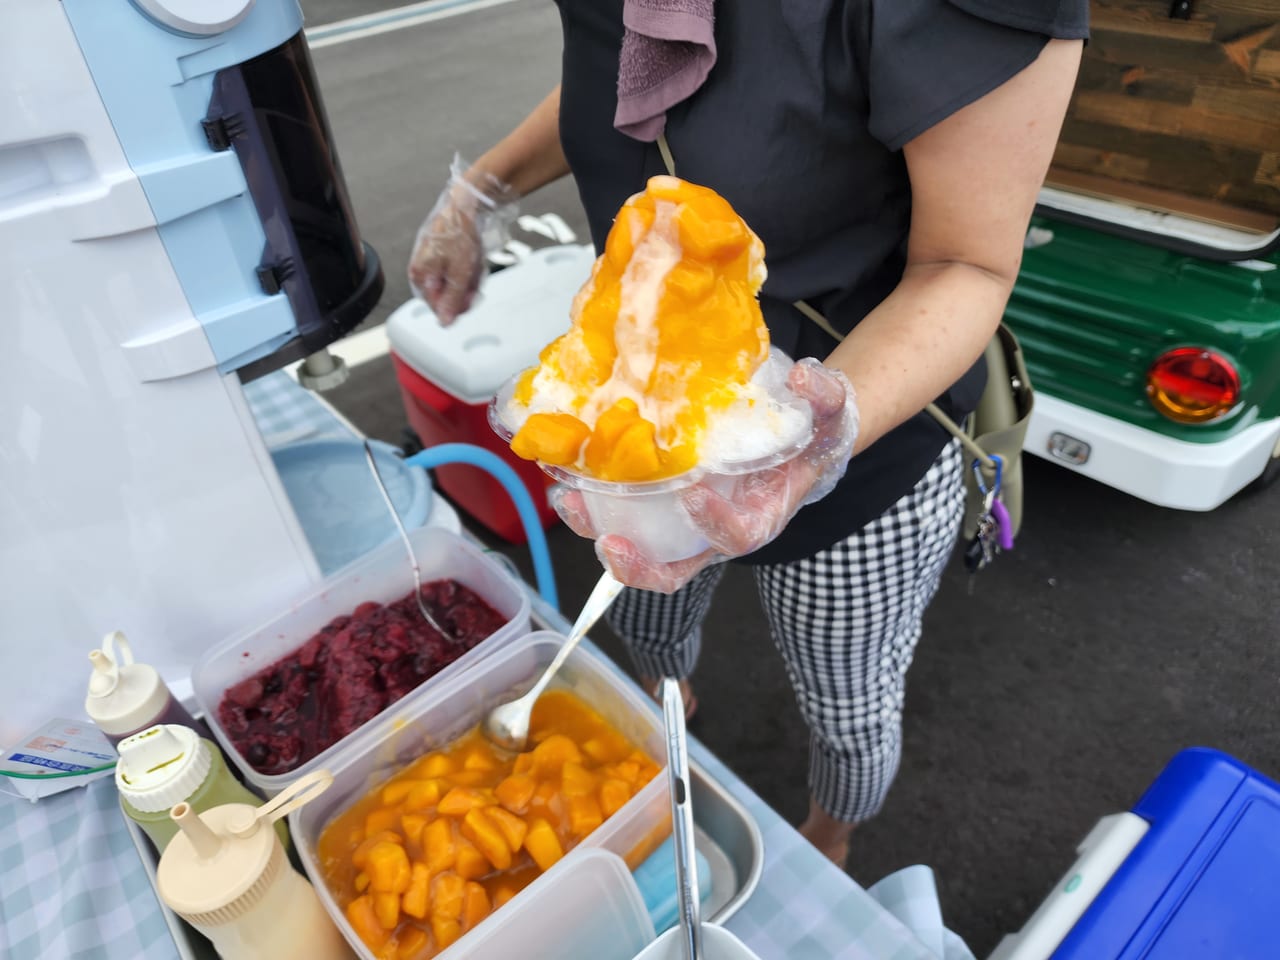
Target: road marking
398 18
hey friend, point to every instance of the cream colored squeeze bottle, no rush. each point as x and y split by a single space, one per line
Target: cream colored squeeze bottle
227 875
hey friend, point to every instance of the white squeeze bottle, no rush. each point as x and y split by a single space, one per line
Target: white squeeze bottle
227 875
127 697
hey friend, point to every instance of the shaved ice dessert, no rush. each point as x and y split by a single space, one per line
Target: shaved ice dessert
662 371
666 376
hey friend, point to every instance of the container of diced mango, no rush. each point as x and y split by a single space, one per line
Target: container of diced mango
429 832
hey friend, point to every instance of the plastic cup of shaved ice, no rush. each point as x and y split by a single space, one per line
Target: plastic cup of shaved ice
746 439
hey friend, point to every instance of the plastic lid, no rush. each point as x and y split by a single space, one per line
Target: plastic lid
336 501
519 311
123 696
222 861
162 766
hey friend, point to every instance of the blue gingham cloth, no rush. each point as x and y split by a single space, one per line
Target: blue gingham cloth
72 884
286 412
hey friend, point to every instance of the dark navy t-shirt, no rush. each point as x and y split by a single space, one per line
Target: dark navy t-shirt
800 125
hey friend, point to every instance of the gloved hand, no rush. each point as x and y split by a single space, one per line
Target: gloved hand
757 505
470 218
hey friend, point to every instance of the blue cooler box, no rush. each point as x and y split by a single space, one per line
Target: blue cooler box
1191 873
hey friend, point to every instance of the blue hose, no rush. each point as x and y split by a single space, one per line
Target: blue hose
488 461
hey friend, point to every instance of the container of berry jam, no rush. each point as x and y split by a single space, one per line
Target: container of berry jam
281 699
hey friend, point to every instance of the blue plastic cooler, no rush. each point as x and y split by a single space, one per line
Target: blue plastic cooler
1198 877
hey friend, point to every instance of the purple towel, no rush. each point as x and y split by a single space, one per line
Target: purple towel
668 48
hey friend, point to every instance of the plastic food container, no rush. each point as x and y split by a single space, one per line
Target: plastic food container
592 895
651 514
382 577
452 708
717 944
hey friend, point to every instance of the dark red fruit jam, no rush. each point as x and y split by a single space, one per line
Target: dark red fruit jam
350 671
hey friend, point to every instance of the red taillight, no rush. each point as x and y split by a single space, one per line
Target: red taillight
1193 385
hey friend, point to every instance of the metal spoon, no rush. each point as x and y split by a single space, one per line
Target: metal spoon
408 546
508 725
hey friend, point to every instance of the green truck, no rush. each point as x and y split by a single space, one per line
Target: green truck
1148 304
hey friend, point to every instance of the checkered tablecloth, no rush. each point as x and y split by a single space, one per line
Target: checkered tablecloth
286 413
73 886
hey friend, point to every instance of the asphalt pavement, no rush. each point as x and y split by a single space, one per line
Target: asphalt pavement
1115 634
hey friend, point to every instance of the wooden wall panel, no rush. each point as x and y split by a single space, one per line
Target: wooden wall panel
1167 108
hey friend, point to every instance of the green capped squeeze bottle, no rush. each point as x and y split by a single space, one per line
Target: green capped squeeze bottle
169 764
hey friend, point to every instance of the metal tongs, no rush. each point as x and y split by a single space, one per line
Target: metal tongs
408 546
682 820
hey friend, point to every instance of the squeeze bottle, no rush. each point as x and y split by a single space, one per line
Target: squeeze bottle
126 697
227 875
168 764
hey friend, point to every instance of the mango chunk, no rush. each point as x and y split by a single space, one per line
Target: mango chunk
438 765
445 931
482 831
614 795
634 456
414 900
424 795
395 792
446 896
461 800
470 863
361 882
515 792
480 757
360 856
381 821
550 756
364 921
438 844
475 905
584 815
554 438
412 824
386 906
575 781
413 944
388 868
543 844
509 825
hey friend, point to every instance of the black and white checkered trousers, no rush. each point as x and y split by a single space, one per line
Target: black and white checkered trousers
846 622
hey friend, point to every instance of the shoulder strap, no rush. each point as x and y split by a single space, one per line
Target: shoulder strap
668 160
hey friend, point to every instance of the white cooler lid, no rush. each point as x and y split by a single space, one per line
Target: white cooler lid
518 311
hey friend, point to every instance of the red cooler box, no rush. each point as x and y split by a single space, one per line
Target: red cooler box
448 375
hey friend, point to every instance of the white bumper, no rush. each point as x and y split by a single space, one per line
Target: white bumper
1170 473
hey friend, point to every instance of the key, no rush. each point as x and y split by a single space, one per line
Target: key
982 548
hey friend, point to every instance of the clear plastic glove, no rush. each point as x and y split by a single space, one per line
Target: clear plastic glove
470 219
738 515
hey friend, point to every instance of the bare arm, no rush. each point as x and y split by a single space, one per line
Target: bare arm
974 181
529 156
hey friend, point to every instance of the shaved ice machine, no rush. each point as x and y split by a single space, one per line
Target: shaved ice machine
174 222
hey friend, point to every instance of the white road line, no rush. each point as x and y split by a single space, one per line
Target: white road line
398 18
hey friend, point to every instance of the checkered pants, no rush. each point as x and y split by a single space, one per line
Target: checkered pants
846 622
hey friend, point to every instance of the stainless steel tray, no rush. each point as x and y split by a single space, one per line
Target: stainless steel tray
727 835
